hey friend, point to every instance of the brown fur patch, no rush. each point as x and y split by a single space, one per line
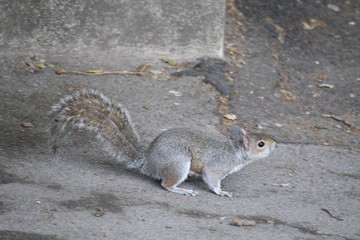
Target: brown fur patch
171 181
196 166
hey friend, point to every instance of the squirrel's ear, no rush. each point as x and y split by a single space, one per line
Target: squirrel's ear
246 140
243 131
235 132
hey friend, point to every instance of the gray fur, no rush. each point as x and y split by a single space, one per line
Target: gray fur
171 157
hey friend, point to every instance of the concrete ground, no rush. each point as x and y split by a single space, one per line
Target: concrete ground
302 191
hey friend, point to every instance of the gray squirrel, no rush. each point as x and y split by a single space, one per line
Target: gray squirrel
171 156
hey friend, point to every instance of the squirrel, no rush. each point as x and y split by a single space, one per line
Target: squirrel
171 156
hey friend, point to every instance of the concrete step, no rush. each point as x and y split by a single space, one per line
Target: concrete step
144 28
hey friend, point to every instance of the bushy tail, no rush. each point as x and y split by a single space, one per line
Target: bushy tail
90 110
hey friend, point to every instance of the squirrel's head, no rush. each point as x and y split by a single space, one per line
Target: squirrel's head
257 145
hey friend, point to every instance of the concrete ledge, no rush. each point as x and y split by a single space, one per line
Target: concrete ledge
152 28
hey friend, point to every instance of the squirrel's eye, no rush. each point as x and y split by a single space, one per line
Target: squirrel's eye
261 144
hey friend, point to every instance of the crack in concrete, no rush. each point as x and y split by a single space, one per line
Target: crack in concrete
18 235
349 175
259 219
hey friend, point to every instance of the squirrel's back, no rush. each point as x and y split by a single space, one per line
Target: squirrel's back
176 145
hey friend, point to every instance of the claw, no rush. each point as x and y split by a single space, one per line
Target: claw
187 192
223 193
191 193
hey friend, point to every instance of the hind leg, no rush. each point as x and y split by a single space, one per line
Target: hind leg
171 185
171 181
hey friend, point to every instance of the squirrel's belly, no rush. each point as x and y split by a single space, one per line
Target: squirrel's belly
196 166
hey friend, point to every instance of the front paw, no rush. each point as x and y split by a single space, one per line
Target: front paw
191 193
223 193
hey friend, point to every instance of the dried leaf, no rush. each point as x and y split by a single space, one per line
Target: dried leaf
242 222
59 72
287 95
41 65
32 65
156 72
171 62
95 71
312 24
223 100
99 213
325 85
278 29
143 68
333 7
230 116
100 72
27 124
322 78
233 51
240 63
